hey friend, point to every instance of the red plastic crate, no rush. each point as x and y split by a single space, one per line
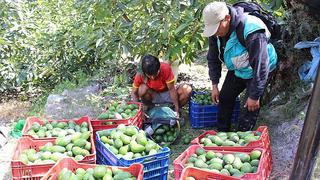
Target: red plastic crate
263 142
21 170
31 120
136 120
135 169
263 171
200 174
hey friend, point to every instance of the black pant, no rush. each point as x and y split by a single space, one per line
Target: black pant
231 89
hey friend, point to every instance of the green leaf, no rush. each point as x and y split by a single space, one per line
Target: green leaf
181 28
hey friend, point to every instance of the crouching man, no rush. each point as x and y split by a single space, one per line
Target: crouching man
156 84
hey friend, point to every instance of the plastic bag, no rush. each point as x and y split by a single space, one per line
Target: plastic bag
308 71
160 115
17 128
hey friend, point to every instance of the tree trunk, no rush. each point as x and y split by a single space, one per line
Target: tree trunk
313 6
302 24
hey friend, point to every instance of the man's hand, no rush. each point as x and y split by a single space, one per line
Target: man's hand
134 99
177 114
134 95
215 94
174 97
252 105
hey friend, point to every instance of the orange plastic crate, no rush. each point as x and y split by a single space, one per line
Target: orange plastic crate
135 169
32 120
136 120
263 171
21 170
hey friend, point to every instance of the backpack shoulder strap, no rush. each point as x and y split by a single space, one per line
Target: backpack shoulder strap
240 34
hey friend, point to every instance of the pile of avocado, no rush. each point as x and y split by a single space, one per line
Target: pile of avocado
119 110
230 138
186 139
56 129
128 142
202 99
166 134
99 172
76 145
230 164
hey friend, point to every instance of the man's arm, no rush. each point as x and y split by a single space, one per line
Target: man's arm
174 96
214 64
134 94
135 88
256 44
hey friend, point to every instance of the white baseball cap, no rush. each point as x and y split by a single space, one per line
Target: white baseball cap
212 14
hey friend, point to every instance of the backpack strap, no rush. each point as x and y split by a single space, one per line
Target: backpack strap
240 34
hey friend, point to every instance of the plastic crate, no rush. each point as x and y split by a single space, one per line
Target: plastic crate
263 142
32 120
21 170
135 169
136 120
263 171
200 174
207 115
155 166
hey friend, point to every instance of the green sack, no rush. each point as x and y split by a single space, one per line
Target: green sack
162 112
160 115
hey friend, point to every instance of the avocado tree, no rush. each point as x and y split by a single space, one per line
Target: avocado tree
45 42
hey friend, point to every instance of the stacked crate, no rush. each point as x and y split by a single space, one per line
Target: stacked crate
20 170
262 144
102 124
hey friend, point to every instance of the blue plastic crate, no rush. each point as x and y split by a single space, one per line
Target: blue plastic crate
102 160
207 115
154 166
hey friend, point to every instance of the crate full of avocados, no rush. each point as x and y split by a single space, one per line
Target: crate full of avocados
203 113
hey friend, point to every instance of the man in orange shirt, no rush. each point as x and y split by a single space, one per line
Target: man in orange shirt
156 84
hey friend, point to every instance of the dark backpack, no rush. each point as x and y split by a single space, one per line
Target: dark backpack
255 9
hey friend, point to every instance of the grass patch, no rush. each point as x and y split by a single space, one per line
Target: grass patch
295 99
80 80
37 107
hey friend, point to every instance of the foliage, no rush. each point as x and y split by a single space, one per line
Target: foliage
81 81
44 43
39 47
38 105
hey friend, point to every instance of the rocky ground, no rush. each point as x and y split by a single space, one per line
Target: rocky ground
284 132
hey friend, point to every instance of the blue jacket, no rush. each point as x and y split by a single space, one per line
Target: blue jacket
254 62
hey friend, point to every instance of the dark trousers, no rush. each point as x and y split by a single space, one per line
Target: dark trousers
231 89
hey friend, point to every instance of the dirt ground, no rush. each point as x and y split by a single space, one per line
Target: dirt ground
284 132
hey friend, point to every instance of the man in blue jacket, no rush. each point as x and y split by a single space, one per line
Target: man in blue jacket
248 66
